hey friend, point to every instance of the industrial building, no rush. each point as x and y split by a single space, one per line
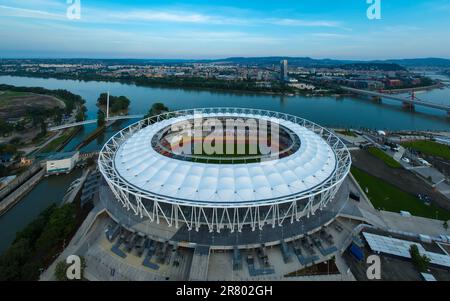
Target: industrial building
61 163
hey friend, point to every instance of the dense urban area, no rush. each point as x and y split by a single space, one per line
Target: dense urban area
262 75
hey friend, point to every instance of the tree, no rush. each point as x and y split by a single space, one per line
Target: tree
8 149
156 109
16 141
421 261
102 99
79 117
5 127
61 270
446 225
13 260
43 128
3 170
90 161
101 119
116 104
38 243
57 117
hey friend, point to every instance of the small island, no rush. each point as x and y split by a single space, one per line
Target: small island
118 105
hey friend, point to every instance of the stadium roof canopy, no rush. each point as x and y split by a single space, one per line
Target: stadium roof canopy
137 163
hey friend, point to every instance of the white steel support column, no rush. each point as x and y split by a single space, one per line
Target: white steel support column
107 106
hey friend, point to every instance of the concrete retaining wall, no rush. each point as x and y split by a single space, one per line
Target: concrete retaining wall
13 198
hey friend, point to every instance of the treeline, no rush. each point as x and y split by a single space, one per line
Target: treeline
37 116
116 103
215 84
170 82
35 247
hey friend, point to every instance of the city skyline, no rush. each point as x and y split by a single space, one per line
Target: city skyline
197 29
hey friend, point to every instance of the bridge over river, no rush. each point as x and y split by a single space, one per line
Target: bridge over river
107 119
71 125
407 102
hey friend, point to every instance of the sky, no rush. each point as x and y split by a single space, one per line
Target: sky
195 29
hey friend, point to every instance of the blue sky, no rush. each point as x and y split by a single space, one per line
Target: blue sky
216 29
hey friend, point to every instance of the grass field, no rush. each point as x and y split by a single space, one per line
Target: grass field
7 96
387 197
388 160
430 148
16 104
55 144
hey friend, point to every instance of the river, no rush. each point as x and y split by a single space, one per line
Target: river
328 111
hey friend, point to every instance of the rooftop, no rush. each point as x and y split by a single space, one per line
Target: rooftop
61 156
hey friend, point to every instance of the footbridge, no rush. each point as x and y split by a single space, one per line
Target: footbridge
407 102
71 125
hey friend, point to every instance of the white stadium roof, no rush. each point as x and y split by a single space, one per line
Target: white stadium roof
137 163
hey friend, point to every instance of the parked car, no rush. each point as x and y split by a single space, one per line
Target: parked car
406 160
424 162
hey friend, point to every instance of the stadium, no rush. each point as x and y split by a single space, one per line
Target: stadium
268 177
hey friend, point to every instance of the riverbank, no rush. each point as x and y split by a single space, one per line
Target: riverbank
35 248
330 111
417 89
97 132
176 86
59 143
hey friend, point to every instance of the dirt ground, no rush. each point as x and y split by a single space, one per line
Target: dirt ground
401 178
17 106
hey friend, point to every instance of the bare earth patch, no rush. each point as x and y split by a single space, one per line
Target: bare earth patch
15 105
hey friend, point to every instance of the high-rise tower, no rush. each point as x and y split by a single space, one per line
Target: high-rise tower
284 70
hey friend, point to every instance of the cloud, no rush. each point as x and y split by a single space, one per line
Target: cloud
170 17
108 16
303 23
329 35
10 11
199 18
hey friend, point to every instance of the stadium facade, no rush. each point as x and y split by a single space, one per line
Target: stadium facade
155 174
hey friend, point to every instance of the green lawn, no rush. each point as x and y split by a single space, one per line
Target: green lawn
6 96
387 197
55 144
388 160
430 148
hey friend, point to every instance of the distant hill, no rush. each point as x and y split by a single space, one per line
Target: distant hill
275 60
373 66
423 62
310 62
258 61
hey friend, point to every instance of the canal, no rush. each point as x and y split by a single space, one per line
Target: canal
328 111
49 191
